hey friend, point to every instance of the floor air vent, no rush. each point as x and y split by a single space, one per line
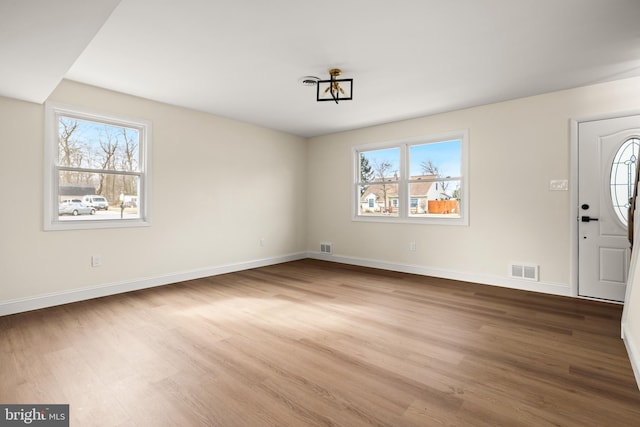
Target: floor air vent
325 248
524 271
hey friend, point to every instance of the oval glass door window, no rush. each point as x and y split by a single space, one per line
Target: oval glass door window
623 175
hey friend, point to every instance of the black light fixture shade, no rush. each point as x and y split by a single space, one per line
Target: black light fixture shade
334 90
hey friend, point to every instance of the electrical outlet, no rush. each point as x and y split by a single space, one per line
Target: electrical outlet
412 246
262 241
96 260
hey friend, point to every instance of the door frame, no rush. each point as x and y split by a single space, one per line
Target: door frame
573 193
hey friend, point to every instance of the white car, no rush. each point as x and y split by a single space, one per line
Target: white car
75 207
97 202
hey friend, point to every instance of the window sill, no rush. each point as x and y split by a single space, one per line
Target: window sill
459 221
95 224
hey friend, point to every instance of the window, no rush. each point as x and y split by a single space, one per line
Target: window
96 170
623 175
418 180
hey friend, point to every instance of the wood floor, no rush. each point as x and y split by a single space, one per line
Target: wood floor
310 343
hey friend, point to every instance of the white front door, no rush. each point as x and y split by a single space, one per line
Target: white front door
607 158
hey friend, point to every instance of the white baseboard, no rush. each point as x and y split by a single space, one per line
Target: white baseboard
505 282
634 356
65 297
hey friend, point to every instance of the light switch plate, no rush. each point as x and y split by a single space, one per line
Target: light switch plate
559 185
96 260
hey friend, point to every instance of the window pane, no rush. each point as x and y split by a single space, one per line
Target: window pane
89 145
623 174
111 195
378 165
434 199
435 160
380 199
378 191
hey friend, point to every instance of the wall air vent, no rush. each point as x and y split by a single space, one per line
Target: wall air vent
325 248
524 271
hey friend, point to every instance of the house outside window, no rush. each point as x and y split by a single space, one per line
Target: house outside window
422 179
96 169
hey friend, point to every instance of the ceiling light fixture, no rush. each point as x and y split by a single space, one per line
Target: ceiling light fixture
334 89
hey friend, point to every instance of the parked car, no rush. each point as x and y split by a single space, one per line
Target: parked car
97 202
75 207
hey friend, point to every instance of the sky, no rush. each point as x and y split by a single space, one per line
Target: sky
446 155
89 134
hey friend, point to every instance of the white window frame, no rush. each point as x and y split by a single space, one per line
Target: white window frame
53 111
403 180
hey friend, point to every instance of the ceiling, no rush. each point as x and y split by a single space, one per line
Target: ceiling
243 59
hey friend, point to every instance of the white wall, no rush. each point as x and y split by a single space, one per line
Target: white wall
516 148
218 187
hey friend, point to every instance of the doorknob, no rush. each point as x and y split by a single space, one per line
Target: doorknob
587 219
